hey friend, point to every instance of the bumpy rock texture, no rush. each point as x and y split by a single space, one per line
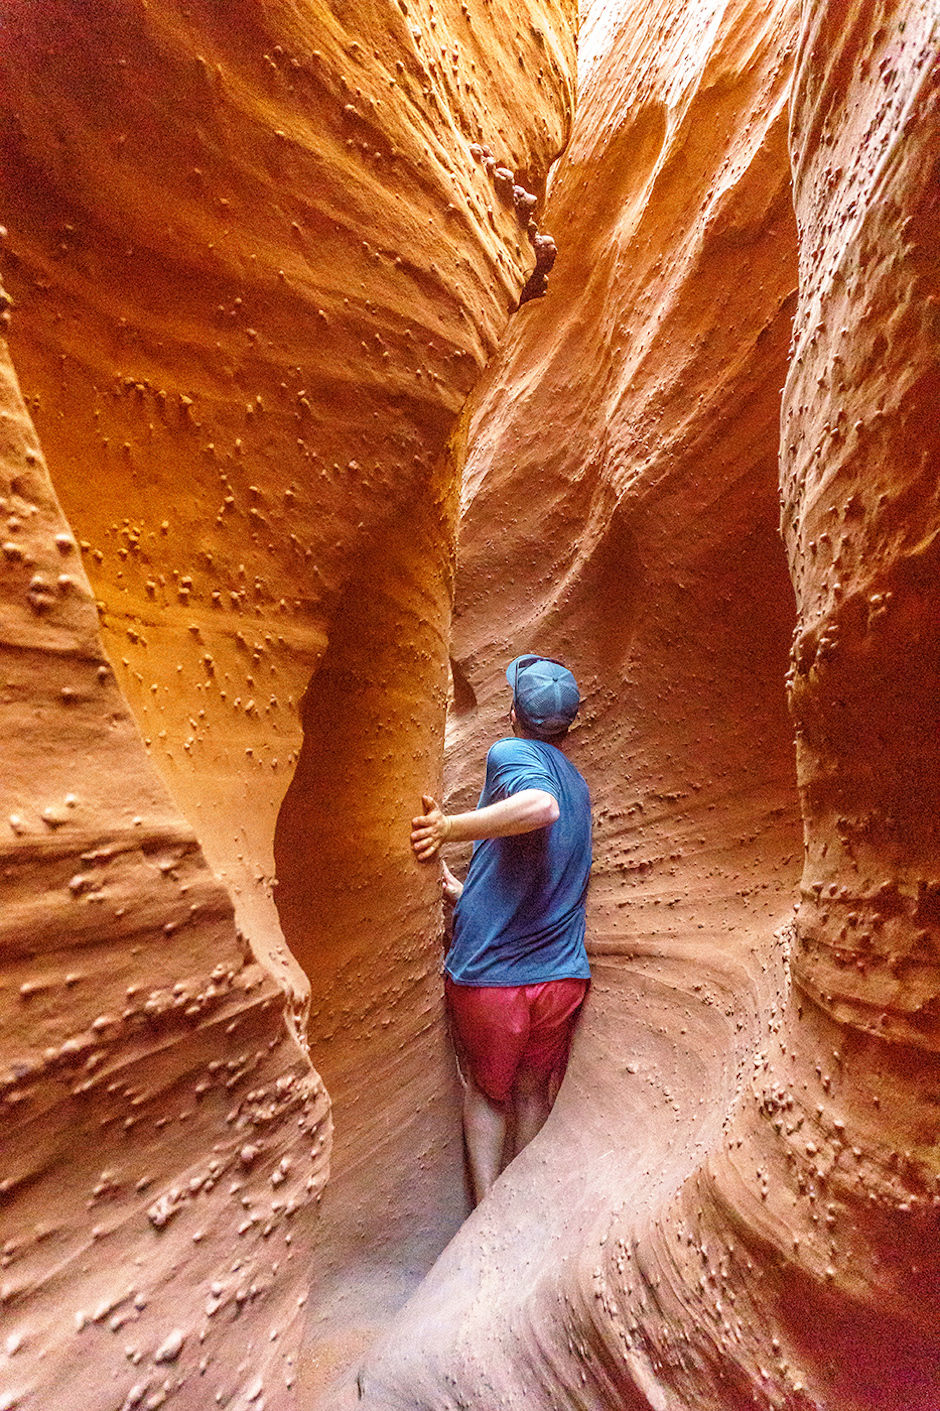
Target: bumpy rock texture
735 1202
259 255
162 1128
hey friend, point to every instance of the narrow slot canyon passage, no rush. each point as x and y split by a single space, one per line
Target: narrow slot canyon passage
351 350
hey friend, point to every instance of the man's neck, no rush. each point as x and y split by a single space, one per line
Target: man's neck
521 734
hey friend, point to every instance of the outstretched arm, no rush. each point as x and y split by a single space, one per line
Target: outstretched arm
523 812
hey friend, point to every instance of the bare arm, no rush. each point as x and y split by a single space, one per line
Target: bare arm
523 812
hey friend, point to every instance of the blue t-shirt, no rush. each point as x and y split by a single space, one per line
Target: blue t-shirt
520 919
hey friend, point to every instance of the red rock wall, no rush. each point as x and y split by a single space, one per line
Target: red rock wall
259 256
735 1200
165 1140
259 259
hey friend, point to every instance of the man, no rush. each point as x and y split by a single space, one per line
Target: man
516 973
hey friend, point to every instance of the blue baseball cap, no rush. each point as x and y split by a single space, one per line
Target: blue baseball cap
544 693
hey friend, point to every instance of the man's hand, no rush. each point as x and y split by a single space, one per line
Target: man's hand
451 886
428 831
522 812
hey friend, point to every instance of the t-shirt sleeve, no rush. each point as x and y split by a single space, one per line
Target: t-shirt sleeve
511 767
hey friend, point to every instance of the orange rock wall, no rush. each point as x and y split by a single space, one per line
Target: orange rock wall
259 259
733 1203
259 254
165 1139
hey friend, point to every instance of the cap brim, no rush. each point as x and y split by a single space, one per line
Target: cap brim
516 665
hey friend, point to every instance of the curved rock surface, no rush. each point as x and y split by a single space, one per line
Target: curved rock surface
259 255
735 1200
163 1131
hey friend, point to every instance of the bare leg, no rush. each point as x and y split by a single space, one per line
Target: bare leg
484 1126
532 1103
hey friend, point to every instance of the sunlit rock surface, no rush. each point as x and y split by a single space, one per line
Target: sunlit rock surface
164 1137
259 256
735 1201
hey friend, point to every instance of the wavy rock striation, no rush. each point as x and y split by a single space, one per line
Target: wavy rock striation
735 1201
163 1131
260 256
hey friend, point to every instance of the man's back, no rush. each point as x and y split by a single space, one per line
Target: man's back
520 919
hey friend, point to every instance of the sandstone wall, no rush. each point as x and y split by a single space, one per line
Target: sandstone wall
259 254
735 1200
165 1140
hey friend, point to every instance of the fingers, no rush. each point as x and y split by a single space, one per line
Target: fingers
424 839
425 830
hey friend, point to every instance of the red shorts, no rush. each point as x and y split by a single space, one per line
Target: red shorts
503 1030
